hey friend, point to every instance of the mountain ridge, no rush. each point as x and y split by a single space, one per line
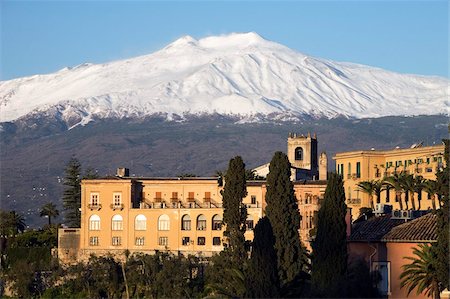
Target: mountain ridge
236 74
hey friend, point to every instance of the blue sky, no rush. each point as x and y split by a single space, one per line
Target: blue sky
40 37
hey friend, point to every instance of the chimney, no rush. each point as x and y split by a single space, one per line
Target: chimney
123 172
348 221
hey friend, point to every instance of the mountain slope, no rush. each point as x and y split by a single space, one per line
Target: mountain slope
241 74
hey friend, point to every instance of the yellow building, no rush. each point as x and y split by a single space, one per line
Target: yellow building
175 214
358 166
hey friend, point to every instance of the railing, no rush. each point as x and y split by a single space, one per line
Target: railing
95 206
354 201
179 205
116 206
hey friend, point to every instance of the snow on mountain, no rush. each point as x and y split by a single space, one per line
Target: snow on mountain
241 74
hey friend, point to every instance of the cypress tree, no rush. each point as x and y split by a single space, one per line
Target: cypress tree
329 259
72 193
262 276
442 244
282 211
234 211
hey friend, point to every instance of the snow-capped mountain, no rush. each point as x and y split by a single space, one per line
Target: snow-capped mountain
241 74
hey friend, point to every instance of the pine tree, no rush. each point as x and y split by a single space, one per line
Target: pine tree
329 260
262 275
442 245
282 211
234 211
72 193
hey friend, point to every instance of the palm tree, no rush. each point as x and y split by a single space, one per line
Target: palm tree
429 186
408 186
395 182
418 187
421 273
14 223
378 187
368 188
49 210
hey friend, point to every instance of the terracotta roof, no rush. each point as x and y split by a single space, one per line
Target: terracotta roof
373 229
423 229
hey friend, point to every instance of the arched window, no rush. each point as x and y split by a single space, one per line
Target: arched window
186 222
140 223
299 153
94 222
164 222
249 222
201 222
117 222
217 222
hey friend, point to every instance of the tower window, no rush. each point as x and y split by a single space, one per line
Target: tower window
299 153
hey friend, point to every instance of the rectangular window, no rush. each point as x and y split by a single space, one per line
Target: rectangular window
249 224
428 160
117 201
158 196
174 196
349 169
139 241
216 241
207 196
163 241
201 241
358 169
383 269
95 199
191 196
116 241
186 241
253 197
93 241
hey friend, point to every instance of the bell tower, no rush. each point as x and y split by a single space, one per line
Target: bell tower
302 153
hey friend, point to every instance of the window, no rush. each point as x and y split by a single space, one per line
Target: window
383 268
253 197
428 160
186 241
95 199
186 222
201 241
299 154
191 197
349 169
207 196
163 241
93 241
358 169
216 222
140 223
117 199
139 241
249 222
116 241
117 222
158 197
94 222
174 196
164 222
216 241
201 222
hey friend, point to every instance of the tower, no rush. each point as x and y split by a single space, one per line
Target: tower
323 166
302 153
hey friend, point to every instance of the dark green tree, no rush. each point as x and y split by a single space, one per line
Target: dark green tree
72 193
235 212
329 260
49 210
442 245
262 273
282 211
90 174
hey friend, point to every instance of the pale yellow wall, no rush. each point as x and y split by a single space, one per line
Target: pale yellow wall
373 160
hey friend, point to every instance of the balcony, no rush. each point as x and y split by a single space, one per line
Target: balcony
95 206
116 206
354 201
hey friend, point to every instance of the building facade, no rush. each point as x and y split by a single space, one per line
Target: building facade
359 166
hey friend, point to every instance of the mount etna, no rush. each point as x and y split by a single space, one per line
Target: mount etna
195 104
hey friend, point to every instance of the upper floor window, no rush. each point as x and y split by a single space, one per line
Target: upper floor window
94 222
117 199
358 169
207 196
201 222
216 222
299 153
140 223
164 222
253 199
95 199
117 222
249 222
186 222
93 241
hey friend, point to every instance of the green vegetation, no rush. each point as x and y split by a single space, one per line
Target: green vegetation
72 193
49 210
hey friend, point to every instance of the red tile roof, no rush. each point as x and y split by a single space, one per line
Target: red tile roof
373 229
423 229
